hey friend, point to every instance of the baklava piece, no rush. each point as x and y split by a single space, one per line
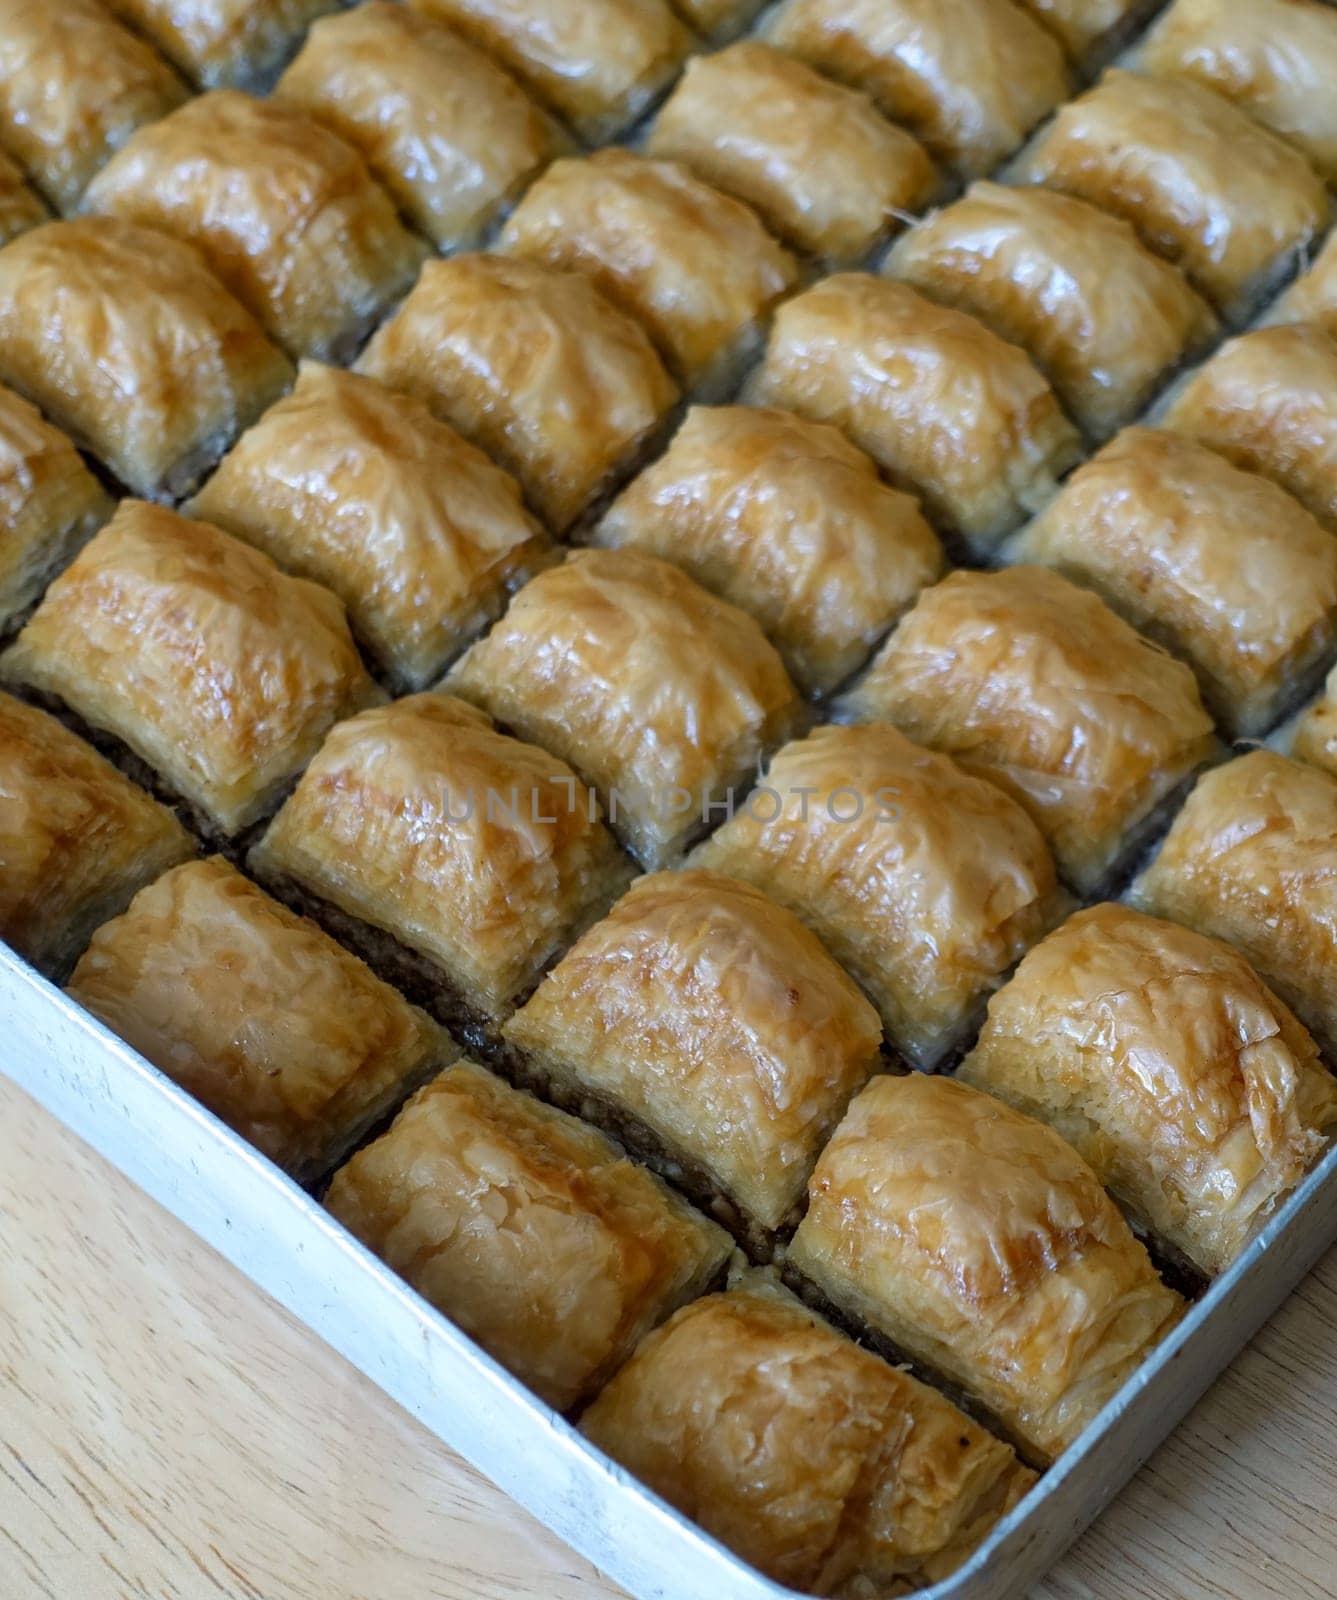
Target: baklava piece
199 655
1103 318
50 505
925 883
1313 295
1315 735
1090 30
284 211
757 1419
692 264
717 20
467 859
451 136
1275 58
240 43
947 408
824 168
363 490
663 697
703 1012
786 519
1268 402
77 839
1037 685
1204 184
130 344
970 77
1252 859
530 1231
536 367
20 207
1220 566
269 1023
74 85
1168 1064
978 1242
597 63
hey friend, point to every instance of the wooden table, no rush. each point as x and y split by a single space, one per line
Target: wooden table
168 1433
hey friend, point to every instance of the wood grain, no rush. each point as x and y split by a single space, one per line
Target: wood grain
168 1433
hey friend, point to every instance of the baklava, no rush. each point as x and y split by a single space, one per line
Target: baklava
284 211
695 266
1252 859
50 505
363 490
824 168
1103 318
705 1014
532 1232
947 408
662 696
597 63
978 1242
1220 566
457 860
130 344
925 883
77 839
1315 735
20 206
238 43
1090 29
1037 685
269 1023
196 653
1204 184
1313 295
451 136
1167 1063
1275 58
786 519
74 85
717 20
824 1467
1268 402
970 77
536 367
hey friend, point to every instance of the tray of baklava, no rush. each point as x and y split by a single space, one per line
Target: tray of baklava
665 738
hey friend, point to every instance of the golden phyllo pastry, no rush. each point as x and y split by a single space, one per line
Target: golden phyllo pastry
1315 737
1252 858
451 136
533 365
693 265
945 406
50 504
925 883
363 490
197 653
74 85
532 1232
978 1242
284 211
660 695
214 42
703 1012
260 1015
1220 566
1037 685
1202 182
821 1465
76 838
1163 1058
1275 58
481 856
20 206
786 519
970 77
718 19
129 344
1103 318
1313 295
1089 28
597 63
824 168
1268 402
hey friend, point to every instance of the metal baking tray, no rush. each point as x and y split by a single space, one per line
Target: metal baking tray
264 1224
